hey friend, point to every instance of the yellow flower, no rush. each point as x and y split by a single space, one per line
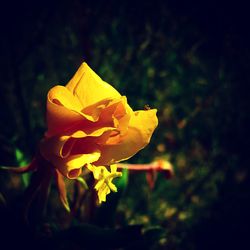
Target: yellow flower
104 180
91 124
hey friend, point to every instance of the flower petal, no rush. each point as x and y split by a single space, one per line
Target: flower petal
62 146
62 189
89 88
141 127
63 111
72 165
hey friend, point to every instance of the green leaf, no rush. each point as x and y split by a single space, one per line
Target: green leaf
83 182
20 158
22 161
26 179
122 182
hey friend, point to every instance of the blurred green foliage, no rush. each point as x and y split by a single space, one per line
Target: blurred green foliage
192 69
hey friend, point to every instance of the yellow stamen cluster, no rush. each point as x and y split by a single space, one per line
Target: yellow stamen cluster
104 179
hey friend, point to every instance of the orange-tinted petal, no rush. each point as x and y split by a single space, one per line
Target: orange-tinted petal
142 125
95 109
62 189
89 88
62 145
63 111
71 167
115 114
62 96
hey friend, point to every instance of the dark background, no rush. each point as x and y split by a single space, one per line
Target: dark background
188 59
